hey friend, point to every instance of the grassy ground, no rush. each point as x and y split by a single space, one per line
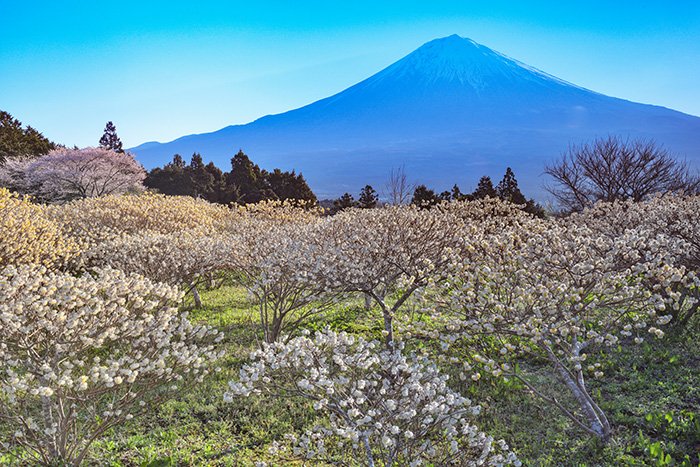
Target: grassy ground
651 394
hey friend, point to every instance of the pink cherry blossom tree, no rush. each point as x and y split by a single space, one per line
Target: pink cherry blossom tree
65 174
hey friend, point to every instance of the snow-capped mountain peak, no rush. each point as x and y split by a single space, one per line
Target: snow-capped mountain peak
450 111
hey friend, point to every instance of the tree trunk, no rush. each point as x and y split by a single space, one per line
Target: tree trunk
597 421
368 301
273 333
197 298
368 451
388 326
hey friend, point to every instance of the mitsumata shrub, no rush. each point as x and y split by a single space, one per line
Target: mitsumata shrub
377 404
93 327
28 235
80 355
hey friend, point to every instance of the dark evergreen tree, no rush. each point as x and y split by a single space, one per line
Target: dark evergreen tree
218 190
535 209
368 198
457 195
110 140
508 189
18 142
178 161
288 185
344 202
245 183
196 161
485 188
424 197
202 180
172 179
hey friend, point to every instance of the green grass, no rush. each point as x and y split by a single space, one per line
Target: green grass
651 394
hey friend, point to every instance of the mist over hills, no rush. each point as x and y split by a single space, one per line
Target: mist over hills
450 111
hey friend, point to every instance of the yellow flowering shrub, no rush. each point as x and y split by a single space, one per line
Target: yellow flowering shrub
28 235
109 217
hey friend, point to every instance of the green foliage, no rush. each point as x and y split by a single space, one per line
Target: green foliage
424 197
288 185
19 142
484 189
245 183
368 198
246 179
344 202
110 140
668 437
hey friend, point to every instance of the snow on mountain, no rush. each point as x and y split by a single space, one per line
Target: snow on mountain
450 111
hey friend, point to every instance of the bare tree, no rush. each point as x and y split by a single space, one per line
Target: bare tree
610 169
398 189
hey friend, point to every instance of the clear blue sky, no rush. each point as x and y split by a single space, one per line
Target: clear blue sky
161 69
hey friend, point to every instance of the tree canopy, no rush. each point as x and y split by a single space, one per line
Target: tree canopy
245 183
18 142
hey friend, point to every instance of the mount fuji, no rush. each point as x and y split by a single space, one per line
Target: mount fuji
449 112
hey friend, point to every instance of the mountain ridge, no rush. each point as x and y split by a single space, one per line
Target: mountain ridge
449 111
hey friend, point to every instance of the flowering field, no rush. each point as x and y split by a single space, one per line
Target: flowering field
154 330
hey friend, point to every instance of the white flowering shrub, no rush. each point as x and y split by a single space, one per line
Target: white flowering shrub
669 226
390 253
78 355
557 292
184 258
283 212
281 266
379 407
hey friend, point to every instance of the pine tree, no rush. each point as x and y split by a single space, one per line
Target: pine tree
535 209
344 202
508 189
246 181
288 185
202 181
485 188
178 161
173 179
110 140
218 191
368 198
424 197
18 142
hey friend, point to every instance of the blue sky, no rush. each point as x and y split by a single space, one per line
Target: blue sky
161 70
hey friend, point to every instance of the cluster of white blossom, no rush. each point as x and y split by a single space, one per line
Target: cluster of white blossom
390 253
81 354
281 266
671 232
555 289
376 404
181 258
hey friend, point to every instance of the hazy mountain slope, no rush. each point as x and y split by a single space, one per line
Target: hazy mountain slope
451 111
